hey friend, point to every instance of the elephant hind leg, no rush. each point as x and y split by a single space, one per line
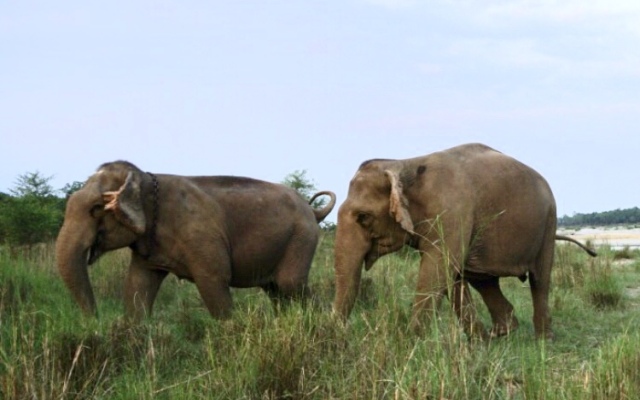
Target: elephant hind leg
541 315
540 283
217 298
501 310
282 298
213 283
271 289
282 291
289 281
292 272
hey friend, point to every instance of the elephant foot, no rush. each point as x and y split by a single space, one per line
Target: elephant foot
503 329
476 331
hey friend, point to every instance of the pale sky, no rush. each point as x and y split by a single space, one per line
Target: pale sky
263 88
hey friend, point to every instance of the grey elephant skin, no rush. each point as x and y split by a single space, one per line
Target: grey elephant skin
475 215
217 231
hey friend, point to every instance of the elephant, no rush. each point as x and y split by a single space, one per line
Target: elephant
474 213
216 231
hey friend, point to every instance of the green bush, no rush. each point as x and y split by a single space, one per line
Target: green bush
32 213
29 220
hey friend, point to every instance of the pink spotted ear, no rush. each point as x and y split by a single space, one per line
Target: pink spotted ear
126 204
398 202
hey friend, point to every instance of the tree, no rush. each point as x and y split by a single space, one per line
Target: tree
32 213
306 188
298 181
28 220
33 184
71 188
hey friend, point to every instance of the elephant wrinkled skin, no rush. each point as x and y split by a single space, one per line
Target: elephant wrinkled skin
217 231
475 215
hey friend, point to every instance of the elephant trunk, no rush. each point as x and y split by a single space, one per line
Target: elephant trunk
350 251
72 252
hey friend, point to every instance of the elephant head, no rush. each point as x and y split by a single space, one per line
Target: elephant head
373 221
106 214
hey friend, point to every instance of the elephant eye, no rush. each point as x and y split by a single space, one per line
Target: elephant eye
364 219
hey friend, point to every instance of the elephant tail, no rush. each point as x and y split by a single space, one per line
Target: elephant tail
591 252
322 213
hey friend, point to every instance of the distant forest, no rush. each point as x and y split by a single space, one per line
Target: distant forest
627 216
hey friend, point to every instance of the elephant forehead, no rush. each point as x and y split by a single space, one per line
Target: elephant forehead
369 182
359 177
88 194
106 179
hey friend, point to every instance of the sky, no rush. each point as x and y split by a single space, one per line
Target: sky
264 88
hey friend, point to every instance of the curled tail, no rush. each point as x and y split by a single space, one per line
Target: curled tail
591 252
322 213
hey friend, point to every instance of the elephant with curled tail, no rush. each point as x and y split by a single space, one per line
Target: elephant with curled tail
216 231
475 215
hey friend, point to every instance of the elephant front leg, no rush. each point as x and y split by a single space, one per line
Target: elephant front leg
433 278
141 288
438 276
465 310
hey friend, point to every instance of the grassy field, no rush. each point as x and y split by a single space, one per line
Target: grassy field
49 351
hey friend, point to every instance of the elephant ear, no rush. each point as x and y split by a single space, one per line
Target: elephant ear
398 202
126 204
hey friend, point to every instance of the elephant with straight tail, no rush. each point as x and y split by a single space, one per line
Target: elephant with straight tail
216 231
474 214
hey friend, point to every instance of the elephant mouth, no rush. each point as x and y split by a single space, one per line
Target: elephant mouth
378 249
382 247
369 260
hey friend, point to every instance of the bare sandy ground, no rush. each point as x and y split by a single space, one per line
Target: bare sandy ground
616 237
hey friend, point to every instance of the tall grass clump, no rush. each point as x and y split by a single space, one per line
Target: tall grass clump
570 267
602 286
624 254
616 371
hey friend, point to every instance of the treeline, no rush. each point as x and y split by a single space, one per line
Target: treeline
627 216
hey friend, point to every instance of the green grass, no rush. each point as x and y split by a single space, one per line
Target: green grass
49 351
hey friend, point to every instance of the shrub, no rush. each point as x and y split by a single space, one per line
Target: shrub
29 220
31 214
623 254
603 289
